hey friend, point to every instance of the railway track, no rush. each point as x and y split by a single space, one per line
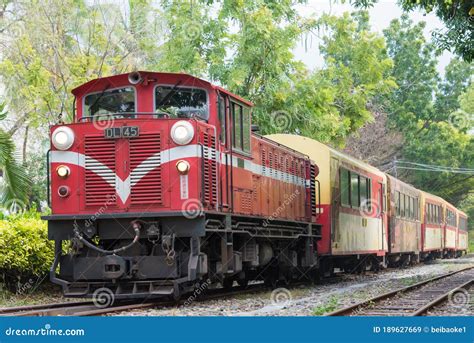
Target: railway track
88 308
414 300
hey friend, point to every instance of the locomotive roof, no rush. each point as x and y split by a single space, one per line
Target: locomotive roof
122 79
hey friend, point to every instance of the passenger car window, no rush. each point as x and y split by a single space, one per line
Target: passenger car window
345 192
355 190
363 190
119 100
182 102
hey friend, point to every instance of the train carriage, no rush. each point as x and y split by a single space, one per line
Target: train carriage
450 229
352 209
462 234
432 227
159 183
404 222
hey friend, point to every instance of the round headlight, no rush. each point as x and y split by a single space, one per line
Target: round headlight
62 138
182 132
63 191
183 167
63 171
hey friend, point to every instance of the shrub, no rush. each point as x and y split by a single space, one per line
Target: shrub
26 254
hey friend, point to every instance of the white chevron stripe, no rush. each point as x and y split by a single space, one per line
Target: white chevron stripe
123 187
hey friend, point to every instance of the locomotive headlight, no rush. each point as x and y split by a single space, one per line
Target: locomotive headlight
63 171
63 138
183 167
63 191
182 132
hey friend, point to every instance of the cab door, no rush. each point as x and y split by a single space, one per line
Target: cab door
225 167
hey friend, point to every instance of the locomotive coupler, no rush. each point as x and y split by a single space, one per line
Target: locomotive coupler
153 233
167 243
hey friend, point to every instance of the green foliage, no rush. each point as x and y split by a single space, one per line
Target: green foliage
25 251
52 47
15 183
458 17
427 110
329 306
246 46
414 71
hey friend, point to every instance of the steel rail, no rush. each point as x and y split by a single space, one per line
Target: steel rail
366 303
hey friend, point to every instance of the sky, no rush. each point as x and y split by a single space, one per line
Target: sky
380 16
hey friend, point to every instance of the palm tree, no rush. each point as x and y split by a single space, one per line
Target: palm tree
15 185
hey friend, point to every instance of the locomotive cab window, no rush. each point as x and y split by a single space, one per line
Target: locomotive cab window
110 101
222 119
181 102
241 127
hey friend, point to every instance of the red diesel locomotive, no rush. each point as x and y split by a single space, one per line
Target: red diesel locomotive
160 183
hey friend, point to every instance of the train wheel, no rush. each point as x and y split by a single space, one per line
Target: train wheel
177 294
285 280
243 282
271 281
228 283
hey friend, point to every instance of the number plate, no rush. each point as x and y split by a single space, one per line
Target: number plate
121 132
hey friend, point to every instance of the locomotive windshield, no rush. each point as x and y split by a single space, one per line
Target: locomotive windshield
110 101
181 102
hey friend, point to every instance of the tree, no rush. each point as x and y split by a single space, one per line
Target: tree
426 110
415 73
457 15
457 78
15 183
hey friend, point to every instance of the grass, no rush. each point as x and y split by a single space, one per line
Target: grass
45 294
329 306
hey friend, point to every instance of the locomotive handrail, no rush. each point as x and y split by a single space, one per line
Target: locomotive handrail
48 178
165 115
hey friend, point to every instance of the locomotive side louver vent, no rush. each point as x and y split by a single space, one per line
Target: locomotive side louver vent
99 171
145 175
209 169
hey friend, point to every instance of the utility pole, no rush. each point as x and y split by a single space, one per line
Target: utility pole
395 166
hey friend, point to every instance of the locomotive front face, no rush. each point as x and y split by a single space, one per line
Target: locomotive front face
151 190
125 187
